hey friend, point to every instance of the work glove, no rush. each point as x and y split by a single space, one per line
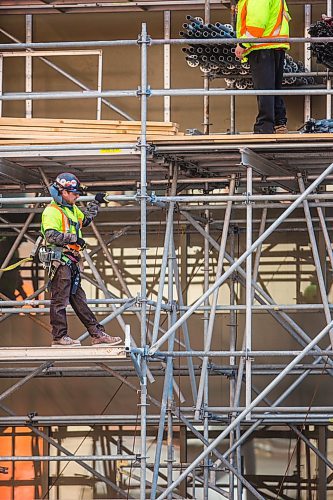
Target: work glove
82 243
101 198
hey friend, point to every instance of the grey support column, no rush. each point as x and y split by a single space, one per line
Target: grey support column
28 66
144 42
248 293
206 387
307 59
167 65
206 121
329 13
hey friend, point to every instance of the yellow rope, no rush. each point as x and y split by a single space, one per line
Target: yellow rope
17 264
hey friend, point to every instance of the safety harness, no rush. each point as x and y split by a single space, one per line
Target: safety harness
53 256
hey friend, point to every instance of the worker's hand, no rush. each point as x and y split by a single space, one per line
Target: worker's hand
101 198
239 52
82 243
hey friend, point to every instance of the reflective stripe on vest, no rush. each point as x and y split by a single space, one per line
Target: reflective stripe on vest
282 14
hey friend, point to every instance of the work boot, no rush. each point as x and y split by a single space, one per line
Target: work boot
281 129
65 341
104 338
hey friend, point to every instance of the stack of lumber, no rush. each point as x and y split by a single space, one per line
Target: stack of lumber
27 131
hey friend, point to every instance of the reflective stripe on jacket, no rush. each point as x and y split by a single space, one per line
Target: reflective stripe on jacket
260 19
64 220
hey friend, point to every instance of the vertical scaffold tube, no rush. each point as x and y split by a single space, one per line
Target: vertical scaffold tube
206 322
206 79
329 80
143 212
248 314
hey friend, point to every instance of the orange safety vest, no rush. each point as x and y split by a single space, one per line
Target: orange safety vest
263 19
66 224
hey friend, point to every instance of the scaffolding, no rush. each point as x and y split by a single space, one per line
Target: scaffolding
238 195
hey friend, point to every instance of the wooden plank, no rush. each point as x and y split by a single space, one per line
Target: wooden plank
88 137
76 131
81 353
153 139
81 123
120 138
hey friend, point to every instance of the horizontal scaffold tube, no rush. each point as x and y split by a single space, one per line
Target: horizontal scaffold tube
238 197
171 41
92 94
48 199
245 354
35 302
86 94
241 307
19 200
225 92
105 148
65 458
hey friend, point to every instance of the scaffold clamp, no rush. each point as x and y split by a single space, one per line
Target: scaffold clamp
31 415
247 357
136 355
140 92
247 200
141 41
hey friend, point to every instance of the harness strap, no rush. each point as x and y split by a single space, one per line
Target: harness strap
17 264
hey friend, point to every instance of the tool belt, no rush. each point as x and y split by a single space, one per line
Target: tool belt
52 257
49 254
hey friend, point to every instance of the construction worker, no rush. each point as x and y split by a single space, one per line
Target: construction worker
260 19
62 222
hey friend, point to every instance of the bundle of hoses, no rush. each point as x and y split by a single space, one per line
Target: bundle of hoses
318 126
322 51
219 61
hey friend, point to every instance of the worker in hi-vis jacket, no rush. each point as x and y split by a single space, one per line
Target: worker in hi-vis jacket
62 223
265 19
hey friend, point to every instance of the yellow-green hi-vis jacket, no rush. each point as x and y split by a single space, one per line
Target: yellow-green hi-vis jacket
260 19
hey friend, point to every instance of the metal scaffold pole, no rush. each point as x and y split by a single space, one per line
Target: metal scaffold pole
248 293
329 5
206 118
206 388
144 42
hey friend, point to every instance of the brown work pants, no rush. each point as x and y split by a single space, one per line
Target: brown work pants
61 297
